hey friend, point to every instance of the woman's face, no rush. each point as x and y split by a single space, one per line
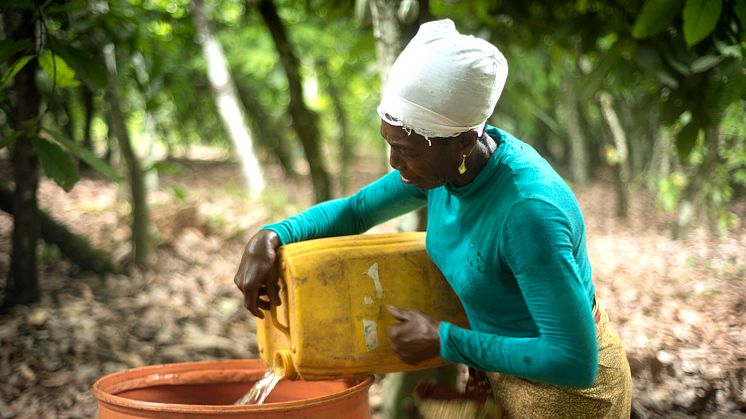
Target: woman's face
418 163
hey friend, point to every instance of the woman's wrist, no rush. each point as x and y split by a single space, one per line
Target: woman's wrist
272 238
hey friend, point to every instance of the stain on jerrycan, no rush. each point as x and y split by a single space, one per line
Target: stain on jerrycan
333 319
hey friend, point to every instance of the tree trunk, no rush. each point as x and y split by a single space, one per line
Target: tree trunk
87 96
620 143
660 159
117 126
693 196
305 121
391 36
226 100
62 114
269 133
593 142
71 245
636 125
578 150
89 109
22 286
109 153
388 33
343 139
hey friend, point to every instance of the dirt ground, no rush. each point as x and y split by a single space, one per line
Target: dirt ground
678 305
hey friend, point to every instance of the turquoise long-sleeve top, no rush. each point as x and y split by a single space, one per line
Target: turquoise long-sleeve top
512 244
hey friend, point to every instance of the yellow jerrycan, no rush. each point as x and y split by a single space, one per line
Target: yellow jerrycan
333 319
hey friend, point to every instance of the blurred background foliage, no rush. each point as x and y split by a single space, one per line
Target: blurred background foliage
645 94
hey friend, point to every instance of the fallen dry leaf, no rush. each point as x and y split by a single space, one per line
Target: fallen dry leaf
58 379
26 372
677 305
38 316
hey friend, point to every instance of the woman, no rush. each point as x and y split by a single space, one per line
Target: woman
503 228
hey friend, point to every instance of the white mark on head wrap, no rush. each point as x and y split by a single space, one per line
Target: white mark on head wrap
443 83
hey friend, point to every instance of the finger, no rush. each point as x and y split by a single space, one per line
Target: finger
272 280
398 338
263 304
393 332
394 347
250 301
262 300
425 387
238 278
398 313
409 360
273 290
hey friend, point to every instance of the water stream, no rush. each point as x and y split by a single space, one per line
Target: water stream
261 389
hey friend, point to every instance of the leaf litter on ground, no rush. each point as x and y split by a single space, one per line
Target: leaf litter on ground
678 305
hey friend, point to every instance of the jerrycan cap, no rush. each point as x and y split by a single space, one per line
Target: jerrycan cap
282 365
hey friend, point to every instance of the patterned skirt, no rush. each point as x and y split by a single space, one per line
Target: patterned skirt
610 396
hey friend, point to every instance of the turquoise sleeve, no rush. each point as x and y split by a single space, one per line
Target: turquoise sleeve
537 245
382 200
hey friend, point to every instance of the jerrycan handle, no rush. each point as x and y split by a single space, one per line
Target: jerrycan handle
273 309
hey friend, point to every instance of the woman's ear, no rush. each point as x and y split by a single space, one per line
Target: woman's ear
467 141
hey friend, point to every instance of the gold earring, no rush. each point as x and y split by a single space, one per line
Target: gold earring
462 167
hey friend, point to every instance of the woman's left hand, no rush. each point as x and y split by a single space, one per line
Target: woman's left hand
415 338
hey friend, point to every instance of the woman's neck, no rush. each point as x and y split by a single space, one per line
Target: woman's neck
477 160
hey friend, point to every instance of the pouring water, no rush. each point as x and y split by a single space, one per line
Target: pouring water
261 389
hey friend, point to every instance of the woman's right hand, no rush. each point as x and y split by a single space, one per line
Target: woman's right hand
257 275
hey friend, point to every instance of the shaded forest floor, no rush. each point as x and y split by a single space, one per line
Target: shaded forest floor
678 305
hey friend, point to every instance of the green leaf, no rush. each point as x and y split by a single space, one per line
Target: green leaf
9 47
591 83
90 71
706 62
57 69
677 64
728 50
732 86
167 167
686 139
700 19
19 4
10 139
56 163
179 193
667 79
14 69
740 9
648 58
655 16
84 154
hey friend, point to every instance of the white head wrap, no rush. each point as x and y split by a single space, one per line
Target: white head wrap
443 83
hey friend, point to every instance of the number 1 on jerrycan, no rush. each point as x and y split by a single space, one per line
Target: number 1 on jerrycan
333 319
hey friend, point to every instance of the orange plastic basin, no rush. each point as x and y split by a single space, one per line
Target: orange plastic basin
209 389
